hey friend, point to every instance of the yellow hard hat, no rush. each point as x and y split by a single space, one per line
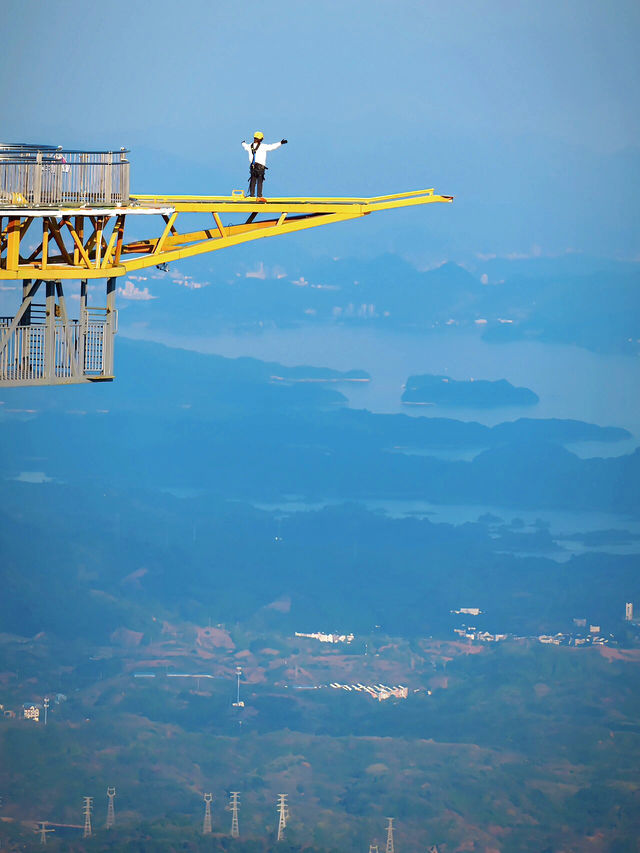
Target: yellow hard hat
258 135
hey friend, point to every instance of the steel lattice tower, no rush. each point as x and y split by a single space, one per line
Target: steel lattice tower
87 809
373 848
42 832
235 829
206 826
283 815
389 848
111 815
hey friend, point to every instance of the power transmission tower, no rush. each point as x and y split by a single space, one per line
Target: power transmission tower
283 815
206 826
235 829
373 848
43 831
87 809
46 708
111 815
390 835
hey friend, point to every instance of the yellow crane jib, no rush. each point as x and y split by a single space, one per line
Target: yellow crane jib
64 215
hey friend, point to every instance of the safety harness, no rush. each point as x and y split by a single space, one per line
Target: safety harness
256 169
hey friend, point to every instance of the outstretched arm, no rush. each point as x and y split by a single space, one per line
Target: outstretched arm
246 146
272 146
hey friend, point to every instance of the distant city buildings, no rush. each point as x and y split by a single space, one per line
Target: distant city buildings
628 611
468 611
327 638
580 623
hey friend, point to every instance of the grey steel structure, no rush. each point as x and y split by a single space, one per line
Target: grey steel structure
390 847
206 825
41 344
45 176
86 810
283 815
111 813
43 830
234 806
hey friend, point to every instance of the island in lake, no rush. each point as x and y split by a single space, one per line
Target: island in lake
430 389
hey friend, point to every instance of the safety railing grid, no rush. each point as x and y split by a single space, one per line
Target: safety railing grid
24 356
94 349
66 178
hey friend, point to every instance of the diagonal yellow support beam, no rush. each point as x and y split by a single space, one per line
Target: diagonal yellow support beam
216 243
167 228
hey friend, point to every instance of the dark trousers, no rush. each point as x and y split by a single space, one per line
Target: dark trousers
256 177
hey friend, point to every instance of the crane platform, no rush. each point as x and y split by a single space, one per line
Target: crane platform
64 215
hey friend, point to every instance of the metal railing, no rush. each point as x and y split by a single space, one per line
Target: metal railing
42 176
73 351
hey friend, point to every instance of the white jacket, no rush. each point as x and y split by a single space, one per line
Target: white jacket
261 153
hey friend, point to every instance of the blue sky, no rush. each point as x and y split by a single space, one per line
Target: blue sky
526 111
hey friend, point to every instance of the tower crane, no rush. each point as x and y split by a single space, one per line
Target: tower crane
67 216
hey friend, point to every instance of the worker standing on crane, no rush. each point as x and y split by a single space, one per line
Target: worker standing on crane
257 152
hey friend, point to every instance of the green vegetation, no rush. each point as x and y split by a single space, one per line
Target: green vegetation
478 393
525 747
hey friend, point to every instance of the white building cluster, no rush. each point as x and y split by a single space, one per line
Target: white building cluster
481 636
559 639
327 638
376 691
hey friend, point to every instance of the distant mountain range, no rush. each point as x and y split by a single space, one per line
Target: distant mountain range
573 299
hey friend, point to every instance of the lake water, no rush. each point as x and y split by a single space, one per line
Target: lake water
571 382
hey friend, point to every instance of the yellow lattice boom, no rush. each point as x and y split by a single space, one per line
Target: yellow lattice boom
85 242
